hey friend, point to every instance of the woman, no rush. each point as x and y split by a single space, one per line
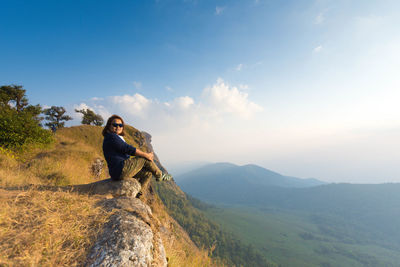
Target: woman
119 156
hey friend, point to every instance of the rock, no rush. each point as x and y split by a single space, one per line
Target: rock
131 237
159 256
157 161
128 187
126 241
132 205
139 138
97 167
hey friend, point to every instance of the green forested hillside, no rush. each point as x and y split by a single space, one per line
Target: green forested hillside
370 210
370 213
205 232
354 225
295 239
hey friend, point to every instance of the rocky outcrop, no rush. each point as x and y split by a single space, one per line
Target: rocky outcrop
147 140
128 188
131 236
97 167
123 188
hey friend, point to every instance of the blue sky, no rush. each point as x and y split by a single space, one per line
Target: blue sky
305 88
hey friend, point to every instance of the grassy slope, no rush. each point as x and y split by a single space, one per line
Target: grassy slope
292 239
68 161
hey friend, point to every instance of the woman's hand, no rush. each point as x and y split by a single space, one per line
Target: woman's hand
150 156
140 153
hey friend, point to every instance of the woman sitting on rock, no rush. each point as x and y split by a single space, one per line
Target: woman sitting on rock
126 161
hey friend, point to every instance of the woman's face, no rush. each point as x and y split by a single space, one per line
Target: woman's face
115 126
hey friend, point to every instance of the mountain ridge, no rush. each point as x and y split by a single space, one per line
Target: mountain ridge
237 181
259 172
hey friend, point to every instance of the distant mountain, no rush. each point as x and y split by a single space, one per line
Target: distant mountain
222 182
177 169
367 213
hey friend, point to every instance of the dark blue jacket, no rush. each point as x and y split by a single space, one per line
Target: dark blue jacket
116 151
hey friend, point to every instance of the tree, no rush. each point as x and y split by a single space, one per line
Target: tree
15 95
55 117
19 121
89 117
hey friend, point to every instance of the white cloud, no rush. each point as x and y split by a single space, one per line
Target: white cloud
317 49
219 10
243 86
82 106
319 19
184 102
169 88
134 104
97 98
225 99
137 85
217 102
239 67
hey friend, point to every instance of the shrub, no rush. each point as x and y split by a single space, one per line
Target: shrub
19 121
18 129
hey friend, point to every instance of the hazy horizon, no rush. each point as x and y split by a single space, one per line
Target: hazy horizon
303 88
182 168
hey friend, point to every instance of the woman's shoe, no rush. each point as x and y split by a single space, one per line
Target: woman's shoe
166 177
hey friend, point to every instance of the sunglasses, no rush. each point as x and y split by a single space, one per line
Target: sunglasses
118 125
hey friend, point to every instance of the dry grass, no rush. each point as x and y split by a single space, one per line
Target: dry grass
181 252
47 228
12 173
67 161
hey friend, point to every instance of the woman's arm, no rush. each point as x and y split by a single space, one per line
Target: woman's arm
140 153
112 140
123 147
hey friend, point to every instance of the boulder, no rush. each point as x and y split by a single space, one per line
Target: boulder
131 236
126 241
129 187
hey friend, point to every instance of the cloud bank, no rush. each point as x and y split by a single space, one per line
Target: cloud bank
184 123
